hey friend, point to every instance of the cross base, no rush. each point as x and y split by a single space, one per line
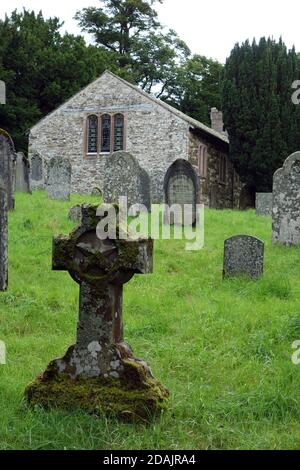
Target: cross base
135 395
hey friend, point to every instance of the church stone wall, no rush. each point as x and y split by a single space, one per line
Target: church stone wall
154 135
213 193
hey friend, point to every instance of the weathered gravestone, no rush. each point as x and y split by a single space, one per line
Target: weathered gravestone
7 166
3 237
100 373
123 177
36 172
286 202
58 182
22 180
264 204
75 213
243 255
181 188
2 92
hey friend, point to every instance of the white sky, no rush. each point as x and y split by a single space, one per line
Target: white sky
209 27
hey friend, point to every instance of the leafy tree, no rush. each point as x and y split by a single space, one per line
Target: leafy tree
118 23
147 53
262 122
195 87
41 69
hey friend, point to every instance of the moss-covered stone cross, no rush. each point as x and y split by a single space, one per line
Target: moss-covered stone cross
99 373
101 268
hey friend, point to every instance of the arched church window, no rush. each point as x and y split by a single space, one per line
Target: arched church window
92 135
105 132
119 132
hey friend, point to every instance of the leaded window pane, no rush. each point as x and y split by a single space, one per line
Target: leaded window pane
92 134
106 132
119 132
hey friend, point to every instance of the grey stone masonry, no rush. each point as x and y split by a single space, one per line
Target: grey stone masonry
22 180
7 166
286 202
264 204
59 178
2 92
123 177
243 255
3 237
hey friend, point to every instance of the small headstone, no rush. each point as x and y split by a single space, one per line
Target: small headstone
286 202
264 204
181 187
75 213
7 166
58 183
36 172
243 255
3 237
100 373
22 180
2 92
123 177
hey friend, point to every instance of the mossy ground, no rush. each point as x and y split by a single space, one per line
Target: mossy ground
223 349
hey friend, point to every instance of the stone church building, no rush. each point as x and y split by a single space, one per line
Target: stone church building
111 115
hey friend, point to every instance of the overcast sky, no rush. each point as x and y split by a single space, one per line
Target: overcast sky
209 28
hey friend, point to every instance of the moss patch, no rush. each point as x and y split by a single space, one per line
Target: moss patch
136 396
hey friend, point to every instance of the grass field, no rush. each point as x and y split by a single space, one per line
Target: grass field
222 348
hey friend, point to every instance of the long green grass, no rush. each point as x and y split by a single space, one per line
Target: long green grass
222 348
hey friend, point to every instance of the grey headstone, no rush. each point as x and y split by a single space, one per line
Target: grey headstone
181 188
3 237
36 171
58 183
75 213
22 180
264 204
7 166
123 177
286 202
2 92
243 255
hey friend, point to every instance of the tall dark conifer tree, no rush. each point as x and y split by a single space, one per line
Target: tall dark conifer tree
262 122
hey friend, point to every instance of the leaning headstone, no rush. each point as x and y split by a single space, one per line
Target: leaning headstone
22 180
75 213
264 204
100 373
2 92
3 237
7 166
286 202
58 183
123 177
243 256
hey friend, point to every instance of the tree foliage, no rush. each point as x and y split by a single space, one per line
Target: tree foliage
41 69
262 122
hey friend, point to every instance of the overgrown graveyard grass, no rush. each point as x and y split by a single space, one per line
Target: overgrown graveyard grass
222 348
